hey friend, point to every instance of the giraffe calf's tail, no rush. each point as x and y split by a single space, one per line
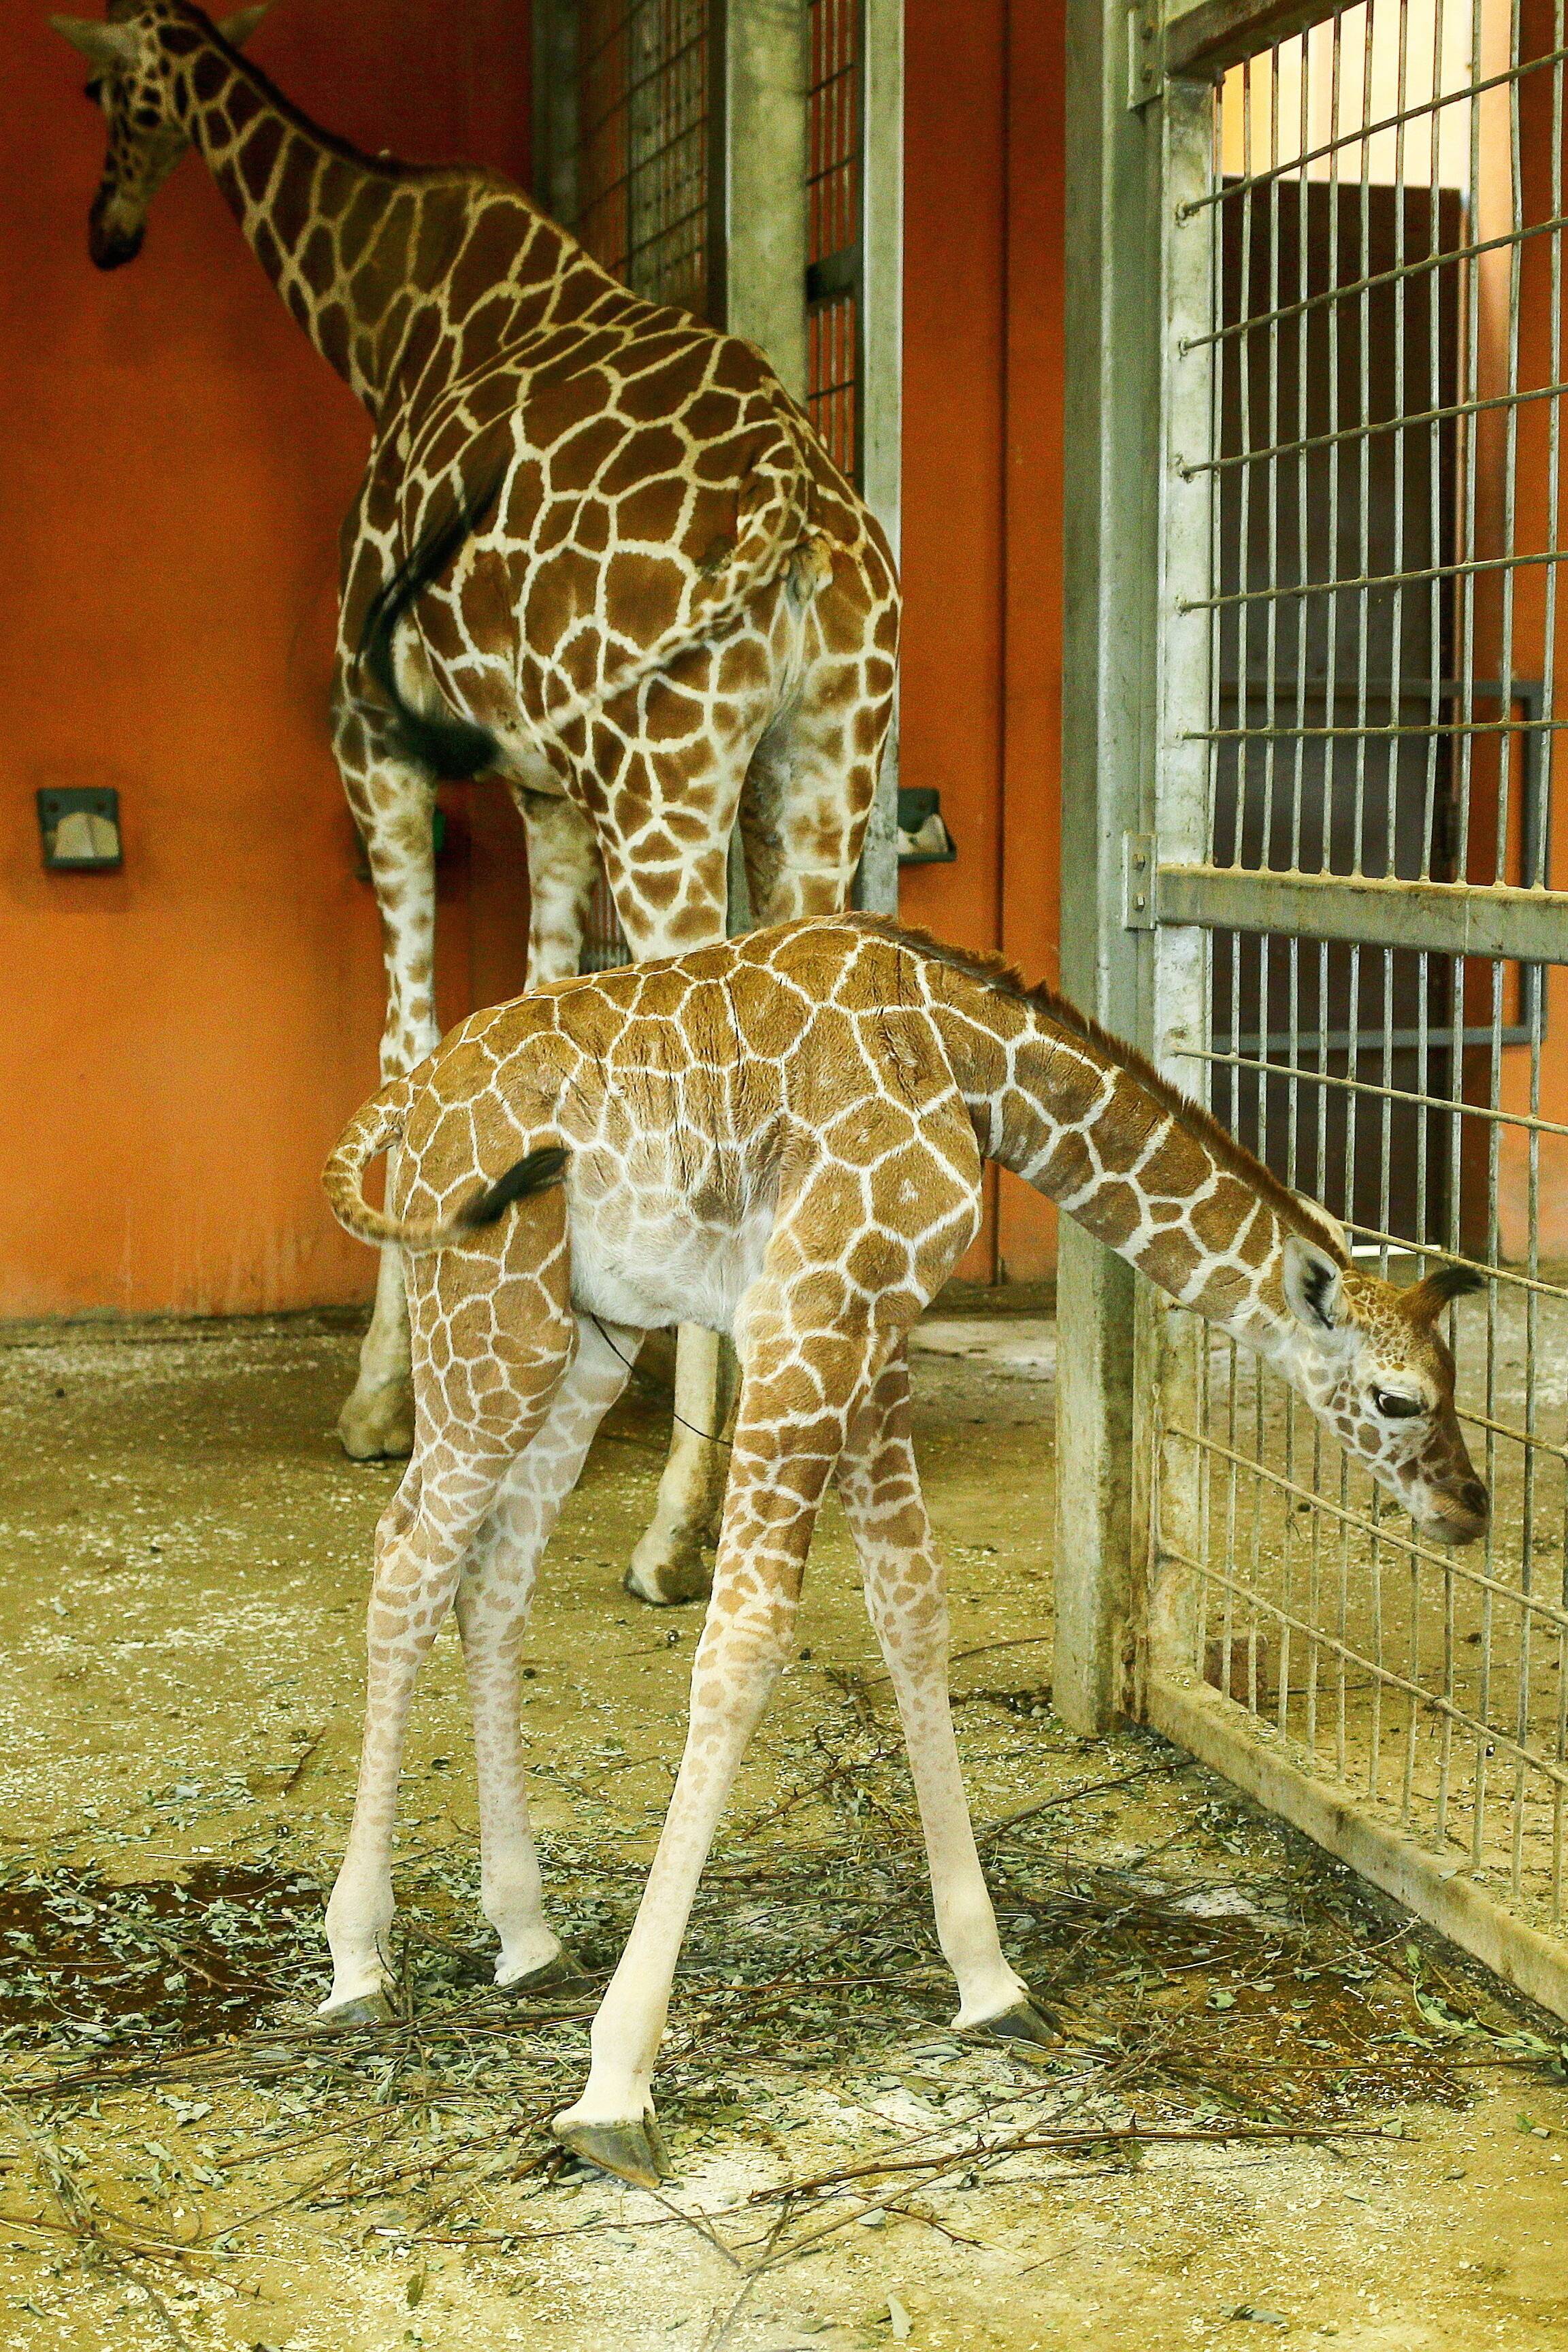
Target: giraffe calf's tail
381 1123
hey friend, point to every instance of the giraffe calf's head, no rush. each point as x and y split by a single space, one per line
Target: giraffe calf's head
1371 1361
128 53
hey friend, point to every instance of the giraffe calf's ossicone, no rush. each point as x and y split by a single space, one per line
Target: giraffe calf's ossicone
780 1138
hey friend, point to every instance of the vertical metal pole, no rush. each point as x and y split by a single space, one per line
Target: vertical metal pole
1108 705
1176 1340
760 78
882 372
764 65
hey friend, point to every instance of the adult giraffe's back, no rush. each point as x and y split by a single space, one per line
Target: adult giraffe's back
620 570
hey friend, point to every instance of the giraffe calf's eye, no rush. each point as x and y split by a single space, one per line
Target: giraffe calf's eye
93 92
1392 1407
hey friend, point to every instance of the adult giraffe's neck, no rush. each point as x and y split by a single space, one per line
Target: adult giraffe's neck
355 247
1151 1175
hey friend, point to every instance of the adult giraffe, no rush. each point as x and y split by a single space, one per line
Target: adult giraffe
788 1131
597 550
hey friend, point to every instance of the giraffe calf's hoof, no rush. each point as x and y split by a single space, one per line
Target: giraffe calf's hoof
1025 2021
633 2152
378 1425
562 1974
366 2008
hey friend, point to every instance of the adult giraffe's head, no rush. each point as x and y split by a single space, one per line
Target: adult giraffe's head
1371 1361
129 53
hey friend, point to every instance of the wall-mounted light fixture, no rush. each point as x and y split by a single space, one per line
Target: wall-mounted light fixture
80 829
924 837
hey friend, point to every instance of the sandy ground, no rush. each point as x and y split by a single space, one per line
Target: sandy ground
1279 2111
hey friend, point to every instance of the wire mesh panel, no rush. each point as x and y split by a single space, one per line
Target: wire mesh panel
833 146
645 139
1378 325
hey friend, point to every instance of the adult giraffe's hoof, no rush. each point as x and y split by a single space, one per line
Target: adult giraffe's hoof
668 1571
633 2152
1025 2022
377 1423
366 2008
562 1974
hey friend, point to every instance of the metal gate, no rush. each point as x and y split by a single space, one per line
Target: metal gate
1336 920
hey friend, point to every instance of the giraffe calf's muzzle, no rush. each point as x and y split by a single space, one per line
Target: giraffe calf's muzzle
1460 1518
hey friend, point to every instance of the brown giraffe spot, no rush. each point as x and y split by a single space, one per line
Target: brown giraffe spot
318 261
266 251
574 462
1171 1261
1067 1169
243 105
1215 1222
485 259
291 198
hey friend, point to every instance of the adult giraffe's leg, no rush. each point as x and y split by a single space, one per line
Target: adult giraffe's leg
663 789
492 1602
562 867
799 1395
813 779
905 1599
393 805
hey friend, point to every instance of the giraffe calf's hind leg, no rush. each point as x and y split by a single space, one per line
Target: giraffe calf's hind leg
879 1487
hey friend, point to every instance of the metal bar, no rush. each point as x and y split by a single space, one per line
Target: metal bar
1204 39
1525 1120
1113 343
879 408
1456 919
1366 132
1401 274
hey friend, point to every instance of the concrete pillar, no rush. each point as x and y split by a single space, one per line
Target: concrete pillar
764 74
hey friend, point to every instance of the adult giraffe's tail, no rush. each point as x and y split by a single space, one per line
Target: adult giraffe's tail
773 515
380 1123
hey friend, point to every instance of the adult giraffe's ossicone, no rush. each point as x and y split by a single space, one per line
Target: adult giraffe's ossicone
620 570
785 1135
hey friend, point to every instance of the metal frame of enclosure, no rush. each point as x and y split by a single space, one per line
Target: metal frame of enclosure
1316 379
743 159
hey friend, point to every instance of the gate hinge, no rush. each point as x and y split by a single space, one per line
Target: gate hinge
1138 881
1145 52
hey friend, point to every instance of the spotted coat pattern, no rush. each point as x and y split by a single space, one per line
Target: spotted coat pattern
782 1137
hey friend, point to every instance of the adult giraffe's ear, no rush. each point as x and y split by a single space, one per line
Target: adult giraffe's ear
237 30
1311 1283
106 48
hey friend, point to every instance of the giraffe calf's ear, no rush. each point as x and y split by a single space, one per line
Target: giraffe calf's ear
105 47
1311 1283
237 30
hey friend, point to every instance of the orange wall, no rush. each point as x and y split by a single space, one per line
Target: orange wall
184 1039
981 694
192 1032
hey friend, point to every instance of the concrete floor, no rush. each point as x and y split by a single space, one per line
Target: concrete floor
183 1552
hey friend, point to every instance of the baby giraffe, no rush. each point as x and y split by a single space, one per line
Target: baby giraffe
780 1138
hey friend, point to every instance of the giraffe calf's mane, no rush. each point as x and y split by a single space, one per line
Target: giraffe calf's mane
995 972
